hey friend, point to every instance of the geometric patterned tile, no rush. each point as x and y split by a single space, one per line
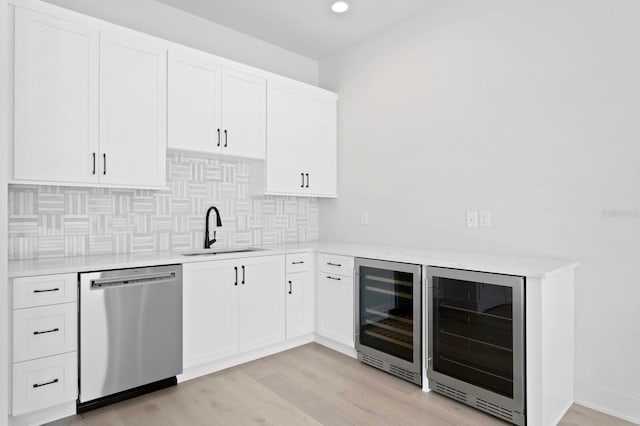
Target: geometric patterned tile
49 221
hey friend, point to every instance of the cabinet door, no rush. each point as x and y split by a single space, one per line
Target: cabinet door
261 302
194 102
243 114
318 143
335 308
133 118
283 169
299 297
56 99
210 312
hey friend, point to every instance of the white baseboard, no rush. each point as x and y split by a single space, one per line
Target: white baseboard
232 361
45 415
614 404
332 344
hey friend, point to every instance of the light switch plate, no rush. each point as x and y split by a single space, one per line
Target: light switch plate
472 219
485 218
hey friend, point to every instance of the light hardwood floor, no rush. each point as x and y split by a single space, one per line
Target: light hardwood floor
309 385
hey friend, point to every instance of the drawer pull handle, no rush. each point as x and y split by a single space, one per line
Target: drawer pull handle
47 290
339 265
53 330
334 278
38 385
297 263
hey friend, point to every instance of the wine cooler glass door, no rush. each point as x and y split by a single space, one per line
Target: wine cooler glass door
476 333
389 310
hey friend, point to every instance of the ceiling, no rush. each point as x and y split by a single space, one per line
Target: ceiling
307 27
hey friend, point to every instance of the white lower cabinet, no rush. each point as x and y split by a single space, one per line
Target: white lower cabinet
335 298
299 295
335 308
44 382
44 331
210 311
231 306
44 342
261 315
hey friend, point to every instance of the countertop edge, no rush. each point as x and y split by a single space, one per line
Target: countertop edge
508 265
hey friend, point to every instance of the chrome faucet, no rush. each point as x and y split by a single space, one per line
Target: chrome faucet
207 241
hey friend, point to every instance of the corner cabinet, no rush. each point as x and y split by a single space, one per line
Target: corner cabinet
232 306
214 109
301 140
90 105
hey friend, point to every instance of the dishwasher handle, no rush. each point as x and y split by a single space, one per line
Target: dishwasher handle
141 279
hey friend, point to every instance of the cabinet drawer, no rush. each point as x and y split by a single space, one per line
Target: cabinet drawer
298 262
44 290
334 264
44 382
44 331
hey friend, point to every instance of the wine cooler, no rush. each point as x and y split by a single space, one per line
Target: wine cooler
476 340
388 317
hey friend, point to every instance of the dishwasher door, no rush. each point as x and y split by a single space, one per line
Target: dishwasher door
130 329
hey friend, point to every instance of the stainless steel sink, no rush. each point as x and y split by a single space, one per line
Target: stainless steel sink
212 251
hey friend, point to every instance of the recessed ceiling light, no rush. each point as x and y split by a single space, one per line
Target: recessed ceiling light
340 6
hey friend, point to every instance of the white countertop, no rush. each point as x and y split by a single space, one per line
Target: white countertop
510 265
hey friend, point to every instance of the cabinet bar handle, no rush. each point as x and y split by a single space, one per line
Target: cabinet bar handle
47 290
334 278
226 138
290 287
37 385
53 330
236 269
242 274
94 164
307 179
104 161
218 137
297 263
302 174
339 265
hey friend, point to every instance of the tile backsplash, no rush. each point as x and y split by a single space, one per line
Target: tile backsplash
53 221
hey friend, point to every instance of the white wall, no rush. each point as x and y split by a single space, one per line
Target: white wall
4 288
530 109
166 22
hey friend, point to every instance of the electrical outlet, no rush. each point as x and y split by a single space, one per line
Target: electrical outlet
364 218
485 218
472 219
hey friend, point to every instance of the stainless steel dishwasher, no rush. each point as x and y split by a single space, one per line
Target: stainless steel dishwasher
130 333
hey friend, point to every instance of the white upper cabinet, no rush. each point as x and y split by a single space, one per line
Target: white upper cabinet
90 105
214 109
301 140
56 99
318 148
243 114
195 84
284 172
133 105
96 104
